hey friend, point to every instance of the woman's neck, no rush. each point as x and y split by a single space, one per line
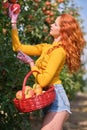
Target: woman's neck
58 39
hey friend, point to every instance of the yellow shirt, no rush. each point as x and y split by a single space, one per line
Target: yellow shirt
49 65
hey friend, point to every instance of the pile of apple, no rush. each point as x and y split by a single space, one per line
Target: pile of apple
30 91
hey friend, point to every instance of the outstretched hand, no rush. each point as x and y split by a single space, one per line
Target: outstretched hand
13 15
24 58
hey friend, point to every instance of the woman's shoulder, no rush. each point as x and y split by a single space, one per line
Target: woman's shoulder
59 51
57 47
44 44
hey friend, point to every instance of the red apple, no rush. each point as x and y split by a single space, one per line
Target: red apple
15 8
5 5
37 89
27 88
48 20
48 3
19 94
30 94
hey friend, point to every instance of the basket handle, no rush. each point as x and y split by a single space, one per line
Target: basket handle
25 80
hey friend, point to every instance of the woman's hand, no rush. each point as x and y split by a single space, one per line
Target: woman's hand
13 15
25 58
32 64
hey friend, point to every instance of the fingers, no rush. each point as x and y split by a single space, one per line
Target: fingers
10 12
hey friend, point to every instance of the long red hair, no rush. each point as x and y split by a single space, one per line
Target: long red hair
72 41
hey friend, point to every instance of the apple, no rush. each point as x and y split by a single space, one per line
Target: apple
12 1
30 94
48 20
5 5
37 89
51 13
27 88
44 9
19 94
15 8
48 3
47 12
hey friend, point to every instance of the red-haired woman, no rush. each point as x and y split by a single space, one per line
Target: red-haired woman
66 49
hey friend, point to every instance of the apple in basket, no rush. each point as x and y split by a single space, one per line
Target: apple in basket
37 89
19 94
27 88
29 92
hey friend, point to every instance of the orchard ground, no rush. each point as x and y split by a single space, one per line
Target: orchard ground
78 118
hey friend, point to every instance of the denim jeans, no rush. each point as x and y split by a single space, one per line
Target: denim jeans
61 102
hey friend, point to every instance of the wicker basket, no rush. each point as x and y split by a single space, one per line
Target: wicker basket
36 102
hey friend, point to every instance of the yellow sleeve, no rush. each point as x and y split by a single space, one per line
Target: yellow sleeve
57 59
27 49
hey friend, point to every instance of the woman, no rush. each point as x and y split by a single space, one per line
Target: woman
66 49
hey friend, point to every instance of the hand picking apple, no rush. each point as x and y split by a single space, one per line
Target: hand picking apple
14 10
